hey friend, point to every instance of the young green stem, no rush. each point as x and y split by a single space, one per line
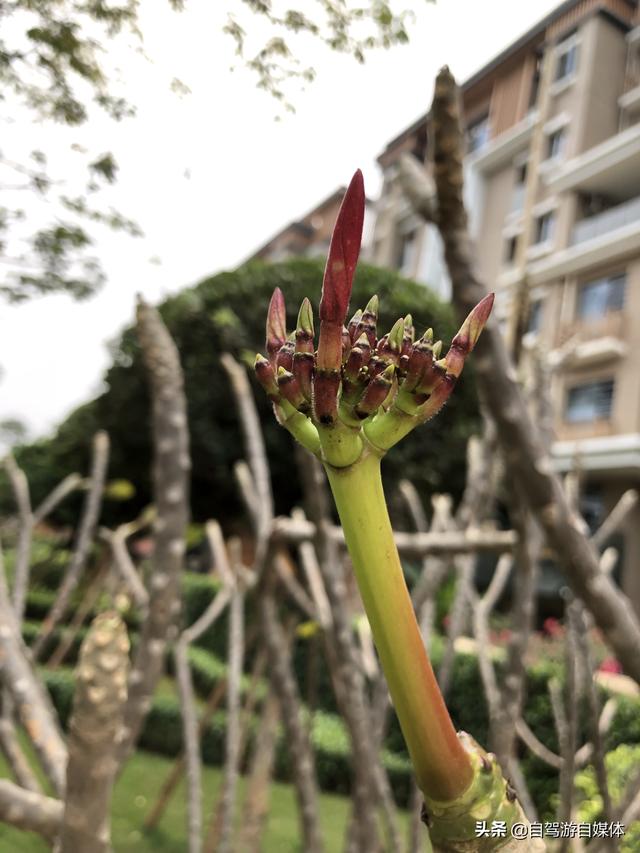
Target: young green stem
442 765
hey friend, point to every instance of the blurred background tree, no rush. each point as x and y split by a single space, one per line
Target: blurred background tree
226 313
55 65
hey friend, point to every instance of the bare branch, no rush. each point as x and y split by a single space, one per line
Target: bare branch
29 810
117 541
32 702
470 541
616 518
536 746
20 489
171 466
56 496
15 757
86 529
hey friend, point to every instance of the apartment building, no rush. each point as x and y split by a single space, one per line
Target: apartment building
309 235
553 189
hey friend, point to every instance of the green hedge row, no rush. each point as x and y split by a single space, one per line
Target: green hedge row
162 733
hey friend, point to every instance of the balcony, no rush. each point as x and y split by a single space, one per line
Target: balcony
616 217
500 150
593 241
611 168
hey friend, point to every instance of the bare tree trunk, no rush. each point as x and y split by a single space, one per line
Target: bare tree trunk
171 465
526 460
96 721
86 530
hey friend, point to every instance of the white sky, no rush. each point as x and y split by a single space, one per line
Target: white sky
249 175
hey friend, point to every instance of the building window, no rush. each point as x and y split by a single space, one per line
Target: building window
567 59
406 251
534 321
589 402
511 248
599 297
544 227
555 143
478 134
521 174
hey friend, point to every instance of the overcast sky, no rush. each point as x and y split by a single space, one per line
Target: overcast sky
209 177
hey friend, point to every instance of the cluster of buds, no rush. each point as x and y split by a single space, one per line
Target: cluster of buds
356 388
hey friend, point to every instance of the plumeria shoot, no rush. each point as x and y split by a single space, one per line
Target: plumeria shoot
348 402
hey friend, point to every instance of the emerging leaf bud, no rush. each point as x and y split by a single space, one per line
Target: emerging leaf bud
304 328
376 392
303 364
276 324
408 335
466 339
369 321
284 357
266 377
354 322
290 389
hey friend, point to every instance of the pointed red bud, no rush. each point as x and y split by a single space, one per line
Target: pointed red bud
276 324
466 339
354 322
343 253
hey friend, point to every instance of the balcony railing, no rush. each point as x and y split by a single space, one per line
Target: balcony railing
609 220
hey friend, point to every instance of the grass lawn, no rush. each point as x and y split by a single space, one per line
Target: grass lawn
137 788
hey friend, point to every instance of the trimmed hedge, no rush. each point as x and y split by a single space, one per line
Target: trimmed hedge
162 733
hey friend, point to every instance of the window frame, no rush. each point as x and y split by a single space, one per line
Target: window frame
596 415
612 306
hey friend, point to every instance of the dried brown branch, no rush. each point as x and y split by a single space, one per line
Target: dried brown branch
526 461
171 466
96 721
86 529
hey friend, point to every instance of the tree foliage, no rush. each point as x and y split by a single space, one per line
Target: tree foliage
226 313
52 68
352 28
